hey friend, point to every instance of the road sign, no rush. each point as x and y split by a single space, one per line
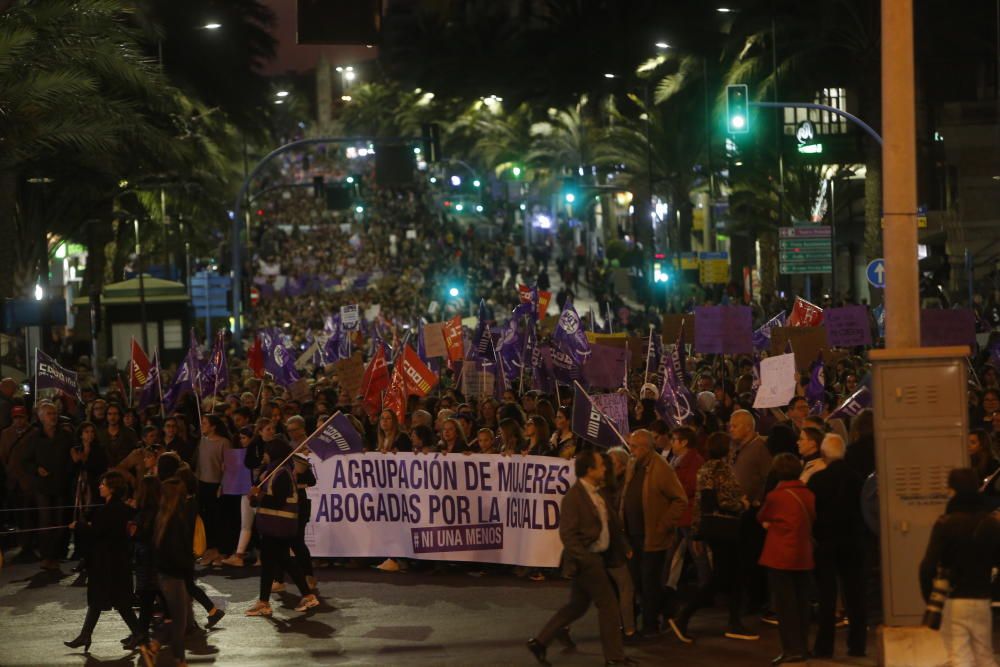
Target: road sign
876 273
254 296
210 294
804 232
803 243
714 267
799 269
805 256
805 249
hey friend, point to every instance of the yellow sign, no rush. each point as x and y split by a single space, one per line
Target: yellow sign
698 219
714 268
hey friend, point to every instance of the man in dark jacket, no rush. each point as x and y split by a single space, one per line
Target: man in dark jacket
49 464
965 544
587 528
839 531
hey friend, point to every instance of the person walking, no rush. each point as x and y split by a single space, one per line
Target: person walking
210 456
964 547
109 580
787 516
586 527
277 523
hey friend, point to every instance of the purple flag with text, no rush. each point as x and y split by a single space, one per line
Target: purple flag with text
590 423
336 436
50 375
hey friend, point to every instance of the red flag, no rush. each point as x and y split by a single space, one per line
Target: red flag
138 368
453 338
419 379
805 314
375 380
255 358
395 398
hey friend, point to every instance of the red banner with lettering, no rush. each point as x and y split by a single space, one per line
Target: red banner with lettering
419 379
805 314
453 339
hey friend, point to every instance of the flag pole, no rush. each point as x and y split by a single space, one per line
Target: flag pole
297 448
131 370
159 386
611 329
649 350
36 374
601 412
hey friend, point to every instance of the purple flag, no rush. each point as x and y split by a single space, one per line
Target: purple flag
150 392
482 339
50 375
336 436
675 403
816 389
337 345
281 365
590 423
855 403
235 476
570 339
762 336
678 358
182 383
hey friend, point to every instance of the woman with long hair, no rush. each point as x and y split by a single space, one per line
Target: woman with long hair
511 437
488 413
537 433
90 463
109 581
173 535
175 438
563 442
208 471
452 437
390 437
147 504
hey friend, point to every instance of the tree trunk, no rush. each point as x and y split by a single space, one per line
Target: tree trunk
873 203
768 269
8 231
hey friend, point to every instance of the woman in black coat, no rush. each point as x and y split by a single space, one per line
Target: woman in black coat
109 581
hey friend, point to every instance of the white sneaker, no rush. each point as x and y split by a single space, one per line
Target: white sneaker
388 565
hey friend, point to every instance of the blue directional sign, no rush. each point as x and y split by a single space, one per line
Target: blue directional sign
210 294
876 273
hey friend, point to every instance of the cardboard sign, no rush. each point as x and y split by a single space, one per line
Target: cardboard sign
777 381
672 327
351 373
477 383
299 390
806 343
847 326
434 344
605 367
943 328
723 330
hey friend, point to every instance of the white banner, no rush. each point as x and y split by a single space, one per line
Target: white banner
481 507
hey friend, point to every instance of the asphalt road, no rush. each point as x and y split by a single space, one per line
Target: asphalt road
367 618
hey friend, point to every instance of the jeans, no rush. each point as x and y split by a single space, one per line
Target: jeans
967 632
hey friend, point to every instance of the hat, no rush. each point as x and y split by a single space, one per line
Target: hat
19 411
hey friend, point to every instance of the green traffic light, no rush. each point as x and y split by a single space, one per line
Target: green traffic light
738 109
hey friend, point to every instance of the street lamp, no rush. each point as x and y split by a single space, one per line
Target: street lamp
609 75
662 45
281 93
212 26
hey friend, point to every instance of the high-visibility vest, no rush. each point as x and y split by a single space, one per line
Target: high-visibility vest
281 522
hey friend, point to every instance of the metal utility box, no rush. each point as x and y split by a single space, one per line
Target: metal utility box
921 434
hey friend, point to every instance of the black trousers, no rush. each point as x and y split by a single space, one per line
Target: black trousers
646 568
274 558
209 507
591 584
725 576
790 591
125 611
842 564
229 523
749 578
51 543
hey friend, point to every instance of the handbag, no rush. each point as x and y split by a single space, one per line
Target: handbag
200 541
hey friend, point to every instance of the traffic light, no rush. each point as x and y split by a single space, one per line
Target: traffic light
660 273
738 109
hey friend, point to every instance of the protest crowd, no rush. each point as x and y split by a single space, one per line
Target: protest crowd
694 491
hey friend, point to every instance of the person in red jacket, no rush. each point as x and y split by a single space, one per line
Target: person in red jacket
686 462
787 515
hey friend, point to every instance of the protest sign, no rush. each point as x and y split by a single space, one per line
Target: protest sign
672 327
299 390
723 330
606 366
235 476
477 382
615 407
807 342
434 344
777 381
847 326
942 328
476 508
50 375
351 373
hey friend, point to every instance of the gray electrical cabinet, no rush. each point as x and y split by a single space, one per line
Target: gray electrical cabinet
921 434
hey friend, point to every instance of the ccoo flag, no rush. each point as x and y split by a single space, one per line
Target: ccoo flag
337 436
50 375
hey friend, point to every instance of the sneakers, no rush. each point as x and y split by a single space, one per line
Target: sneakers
277 586
259 609
739 632
307 603
679 631
214 618
388 565
235 560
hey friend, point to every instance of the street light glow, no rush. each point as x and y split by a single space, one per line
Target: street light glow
453 292
212 26
359 209
479 208
516 171
609 75
662 45
345 98
459 207
476 183
349 75
456 180
39 292
570 197
723 10
281 93
738 122
349 179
